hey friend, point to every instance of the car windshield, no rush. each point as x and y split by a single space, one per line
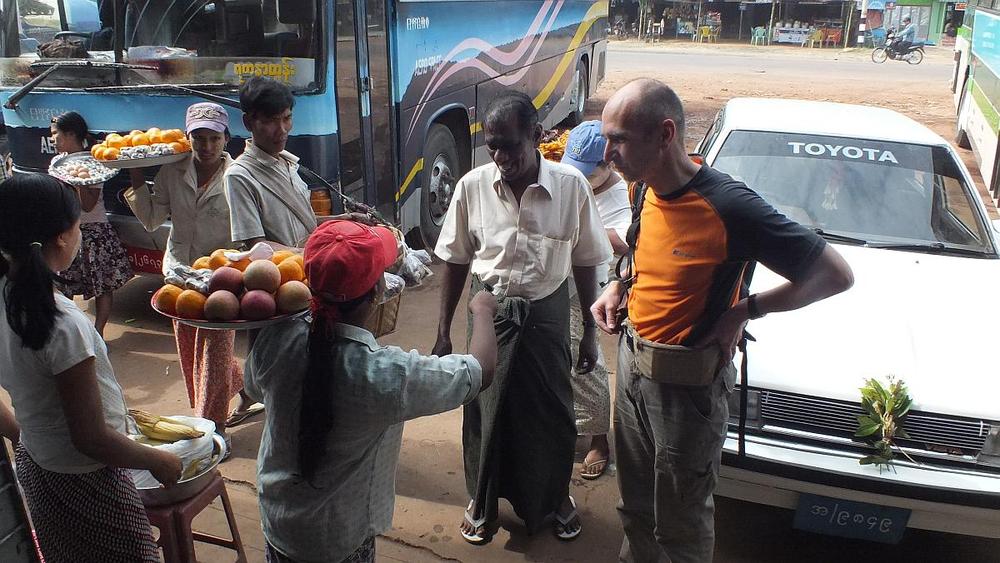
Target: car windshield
880 192
193 42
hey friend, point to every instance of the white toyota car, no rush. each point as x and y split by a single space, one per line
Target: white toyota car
897 202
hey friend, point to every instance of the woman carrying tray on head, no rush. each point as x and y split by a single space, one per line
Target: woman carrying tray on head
190 194
102 265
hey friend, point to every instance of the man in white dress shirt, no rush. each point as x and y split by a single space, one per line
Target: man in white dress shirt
521 224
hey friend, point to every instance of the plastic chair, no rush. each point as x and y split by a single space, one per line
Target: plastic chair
657 32
714 34
703 34
758 36
834 37
174 522
814 38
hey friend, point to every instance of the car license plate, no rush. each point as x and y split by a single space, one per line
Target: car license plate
145 261
850 519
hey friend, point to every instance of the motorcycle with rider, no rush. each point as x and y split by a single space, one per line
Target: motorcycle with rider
901 46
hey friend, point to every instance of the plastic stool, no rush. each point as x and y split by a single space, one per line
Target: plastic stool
174 522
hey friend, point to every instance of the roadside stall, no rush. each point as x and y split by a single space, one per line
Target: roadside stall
818 23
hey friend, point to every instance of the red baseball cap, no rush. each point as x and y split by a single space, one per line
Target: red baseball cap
344 259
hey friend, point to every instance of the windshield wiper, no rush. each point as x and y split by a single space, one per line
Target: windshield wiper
928 247
27 88
837 237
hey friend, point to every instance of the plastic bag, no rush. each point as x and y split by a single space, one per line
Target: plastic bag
413 268
190 451
393 286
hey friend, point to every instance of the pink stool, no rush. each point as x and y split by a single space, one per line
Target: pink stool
174 522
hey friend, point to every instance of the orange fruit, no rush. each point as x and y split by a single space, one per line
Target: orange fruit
135 132
241 265
98 152
140 140
172 135
155 138
111 153
201 263
297 258
190 304
218 259
279 256
95 148
165 299
115 140
153 131
290 271
177 147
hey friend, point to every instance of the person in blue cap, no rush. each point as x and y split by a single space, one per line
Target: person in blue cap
591 396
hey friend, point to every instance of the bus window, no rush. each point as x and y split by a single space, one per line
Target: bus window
202 42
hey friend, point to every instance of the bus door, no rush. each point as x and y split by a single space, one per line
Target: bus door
364 104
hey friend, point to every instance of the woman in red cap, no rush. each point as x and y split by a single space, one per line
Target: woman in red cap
336 401
191 194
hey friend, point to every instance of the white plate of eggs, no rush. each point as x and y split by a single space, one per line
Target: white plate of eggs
80 169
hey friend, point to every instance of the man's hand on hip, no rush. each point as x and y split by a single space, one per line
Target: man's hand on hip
727 331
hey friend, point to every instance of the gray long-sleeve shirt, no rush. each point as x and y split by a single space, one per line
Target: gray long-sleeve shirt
376 389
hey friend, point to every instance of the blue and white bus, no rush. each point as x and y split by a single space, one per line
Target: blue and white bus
387 91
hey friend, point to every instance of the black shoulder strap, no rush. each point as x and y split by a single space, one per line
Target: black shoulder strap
632 235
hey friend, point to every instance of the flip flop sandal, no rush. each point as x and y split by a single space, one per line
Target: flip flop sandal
594 469
562 526
237 417
482 535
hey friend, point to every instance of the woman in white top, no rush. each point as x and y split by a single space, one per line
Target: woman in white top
102 265
73 453
192 195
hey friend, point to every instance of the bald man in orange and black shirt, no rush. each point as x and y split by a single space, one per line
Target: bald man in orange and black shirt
698 233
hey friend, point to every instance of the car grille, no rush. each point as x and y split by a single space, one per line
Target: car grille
932 432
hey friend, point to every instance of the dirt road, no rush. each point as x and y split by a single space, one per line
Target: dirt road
430 484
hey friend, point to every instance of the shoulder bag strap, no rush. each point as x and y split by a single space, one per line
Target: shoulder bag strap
308 221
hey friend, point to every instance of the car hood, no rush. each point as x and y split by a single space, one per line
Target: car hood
929 320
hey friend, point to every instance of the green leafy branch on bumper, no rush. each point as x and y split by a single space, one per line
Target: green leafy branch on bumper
885 406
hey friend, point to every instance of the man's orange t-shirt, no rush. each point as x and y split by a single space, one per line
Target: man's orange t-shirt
694 248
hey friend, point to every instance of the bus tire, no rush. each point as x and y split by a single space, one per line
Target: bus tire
442 170
581 88
961 136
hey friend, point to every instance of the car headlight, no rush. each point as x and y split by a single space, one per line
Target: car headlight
990 454
753 408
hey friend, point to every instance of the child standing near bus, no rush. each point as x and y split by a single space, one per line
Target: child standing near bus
102 265
73 453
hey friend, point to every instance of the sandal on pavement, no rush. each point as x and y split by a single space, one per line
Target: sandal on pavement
594 469
569 527
482 535
238 416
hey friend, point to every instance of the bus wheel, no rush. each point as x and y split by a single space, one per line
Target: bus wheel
442 170
579 95
961 136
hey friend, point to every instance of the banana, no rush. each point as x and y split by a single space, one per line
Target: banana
163 428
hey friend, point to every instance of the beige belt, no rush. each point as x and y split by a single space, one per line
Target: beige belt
673 364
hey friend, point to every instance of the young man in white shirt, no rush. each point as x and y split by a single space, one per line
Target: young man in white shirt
521 224
267 198
591 394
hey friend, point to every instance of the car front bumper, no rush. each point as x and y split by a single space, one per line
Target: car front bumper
944 499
